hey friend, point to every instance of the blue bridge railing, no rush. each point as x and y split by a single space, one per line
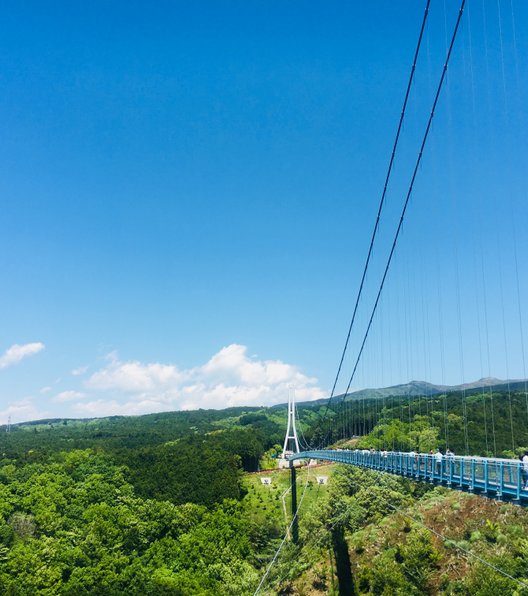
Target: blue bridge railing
493 477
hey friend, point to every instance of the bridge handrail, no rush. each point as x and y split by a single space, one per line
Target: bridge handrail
496 477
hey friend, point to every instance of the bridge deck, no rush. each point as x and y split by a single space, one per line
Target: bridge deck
500 479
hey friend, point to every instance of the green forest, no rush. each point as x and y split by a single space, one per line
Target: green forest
173 503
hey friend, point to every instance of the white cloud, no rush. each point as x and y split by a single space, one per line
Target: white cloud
17 352
68 396
134 377
113 407
77 372
229 378
21 411
233 363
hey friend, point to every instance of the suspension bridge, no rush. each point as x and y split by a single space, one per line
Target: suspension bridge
496 478
493 311
493 476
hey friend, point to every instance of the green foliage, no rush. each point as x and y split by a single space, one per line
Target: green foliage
189 471
270 457
159 505
130 432
391 553
490 531
418 558
387 576
422 423
75 525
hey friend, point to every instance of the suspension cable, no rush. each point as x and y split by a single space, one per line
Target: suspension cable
303 440
409 192
381 203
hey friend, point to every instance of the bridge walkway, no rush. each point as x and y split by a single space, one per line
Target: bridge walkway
496 478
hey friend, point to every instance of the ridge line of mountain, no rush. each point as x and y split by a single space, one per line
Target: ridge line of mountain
423 388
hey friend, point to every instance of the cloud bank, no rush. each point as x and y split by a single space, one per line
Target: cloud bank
229 378
68 396
16 353
21 410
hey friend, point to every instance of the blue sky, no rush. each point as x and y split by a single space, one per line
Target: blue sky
188 191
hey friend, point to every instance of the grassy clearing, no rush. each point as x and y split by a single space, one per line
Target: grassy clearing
264 501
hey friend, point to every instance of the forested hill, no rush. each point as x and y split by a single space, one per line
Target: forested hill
164 504
423 388
118 431
491 412
134 505
193 456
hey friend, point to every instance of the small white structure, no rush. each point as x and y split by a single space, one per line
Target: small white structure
322 479
266 481
285 463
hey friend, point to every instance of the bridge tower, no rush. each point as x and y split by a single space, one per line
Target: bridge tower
291 442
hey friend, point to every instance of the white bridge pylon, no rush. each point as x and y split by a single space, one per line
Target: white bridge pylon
291 430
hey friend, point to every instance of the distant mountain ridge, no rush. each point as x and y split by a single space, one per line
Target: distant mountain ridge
423 388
